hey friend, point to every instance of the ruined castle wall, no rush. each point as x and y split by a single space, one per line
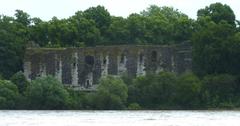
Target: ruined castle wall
82 68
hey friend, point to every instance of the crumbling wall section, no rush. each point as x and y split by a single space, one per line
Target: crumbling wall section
82 68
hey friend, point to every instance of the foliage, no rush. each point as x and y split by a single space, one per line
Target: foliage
22 18
20 81
12 39
216 41
166 25
100 16
160 91
77 100
217 13
134 106
85 30
111 94
95 26
188 91
47 93
118 32
159 25
219 89
8 95
153 91
215 38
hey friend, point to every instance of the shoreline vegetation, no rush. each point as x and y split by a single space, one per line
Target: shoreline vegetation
163 91
213 83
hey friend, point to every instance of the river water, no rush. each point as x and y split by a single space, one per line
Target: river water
119 118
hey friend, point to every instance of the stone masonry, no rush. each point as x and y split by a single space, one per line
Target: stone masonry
82 68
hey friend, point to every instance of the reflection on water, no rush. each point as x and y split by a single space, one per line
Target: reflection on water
119 118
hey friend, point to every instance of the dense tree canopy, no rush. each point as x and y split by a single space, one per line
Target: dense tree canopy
216 44
100 16
22 18
13 37
118 32
218 12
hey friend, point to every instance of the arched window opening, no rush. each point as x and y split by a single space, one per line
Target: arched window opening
74 64
154 56
89 60
141 58
105 61
88 84
122 60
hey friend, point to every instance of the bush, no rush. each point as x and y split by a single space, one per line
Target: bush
188 91
47 93
111 94
20 80
153 91
226 105
134 106
77 99
8 95
220 88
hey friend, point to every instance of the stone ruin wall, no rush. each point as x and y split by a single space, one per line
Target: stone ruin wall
82 68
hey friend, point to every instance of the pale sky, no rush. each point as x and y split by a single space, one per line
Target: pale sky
46 9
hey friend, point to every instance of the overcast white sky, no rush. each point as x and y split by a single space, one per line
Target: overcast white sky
46 9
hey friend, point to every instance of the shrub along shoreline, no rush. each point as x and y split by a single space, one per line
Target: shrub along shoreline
163 91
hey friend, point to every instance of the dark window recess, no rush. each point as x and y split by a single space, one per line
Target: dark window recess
154 56
141 58
105 61
122 58
88 84
89 60
74 64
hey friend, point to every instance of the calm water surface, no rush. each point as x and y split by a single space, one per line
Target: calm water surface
119 118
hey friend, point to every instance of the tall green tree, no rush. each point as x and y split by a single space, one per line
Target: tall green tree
215 41
218 12
12 44
100 16
136 25
167 25
213 45
118 32
39 32
22 17
86 30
